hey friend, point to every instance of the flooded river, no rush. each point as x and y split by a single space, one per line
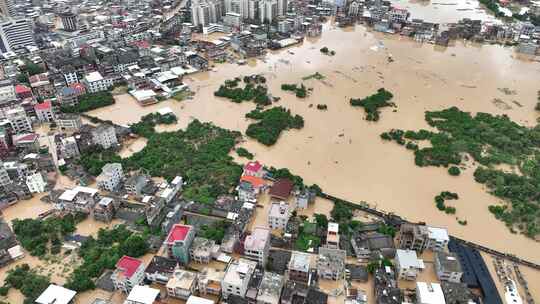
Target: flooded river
341 152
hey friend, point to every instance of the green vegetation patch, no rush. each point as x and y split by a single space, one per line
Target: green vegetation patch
490 140
103 253
243 152
271 123
215 231
145 127
40 237
373 103
27 281
300 91
317 76
254 90
444 196
95 157
90 102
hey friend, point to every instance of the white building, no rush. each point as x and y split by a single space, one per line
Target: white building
278 215
104 136
282 7
68 147
237 278
7 93
16 35
20 123
270 288
111 176
447 267
44 111
182 284
199 300
257 245
35 183
437 238
69 121
332 236
407 264
57 295
94 82
142 295
429 293
4 176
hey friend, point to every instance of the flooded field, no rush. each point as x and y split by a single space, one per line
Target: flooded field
445 11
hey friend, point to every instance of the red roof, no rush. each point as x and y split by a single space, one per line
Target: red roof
46 105
282 188
129 265
21 89
253 166
77 86
178 233
255 181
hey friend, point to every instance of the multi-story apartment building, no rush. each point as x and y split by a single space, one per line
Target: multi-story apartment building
413 237
110 178
129 272
447 267
210 281
71 122
20 122
104 210
278 215
202 249
44 111
105 136
332 236
16 35
257 245
182 284
437 239
35 183
299 267
94 82
78 199
179 241
407 264
237 277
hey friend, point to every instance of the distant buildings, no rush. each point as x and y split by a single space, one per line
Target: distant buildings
179 241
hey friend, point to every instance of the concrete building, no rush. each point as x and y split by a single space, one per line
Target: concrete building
210 281
142 294
20 123
257 245
278 215
331 263
447 267
179 241
4 176
437 239
16 35
237 277
69 122
202 250
407 264
94 82
413 236
104 210
299 267
7 93
35 183
57 295
199 300
7 8
332 236
105 136
429 293
44 111
182 284
110 178
282 7
135 183
129 273
268 10
69 21
78 199
68 148
270 288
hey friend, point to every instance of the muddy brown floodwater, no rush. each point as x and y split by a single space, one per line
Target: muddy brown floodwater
342 152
